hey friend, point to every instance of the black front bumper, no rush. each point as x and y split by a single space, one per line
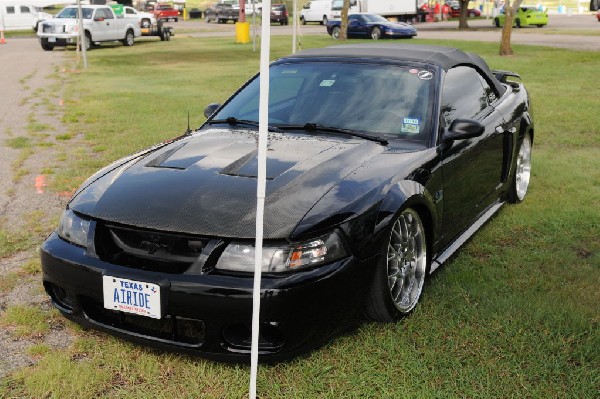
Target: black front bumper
210 314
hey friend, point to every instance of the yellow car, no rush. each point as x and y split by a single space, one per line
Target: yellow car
525 16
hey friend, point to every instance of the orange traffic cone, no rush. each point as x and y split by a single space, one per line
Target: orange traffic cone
2 39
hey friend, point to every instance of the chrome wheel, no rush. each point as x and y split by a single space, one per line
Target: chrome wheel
336 32
523 170
375 33
406 261
129 38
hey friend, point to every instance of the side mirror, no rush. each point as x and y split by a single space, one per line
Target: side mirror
462 129
211 109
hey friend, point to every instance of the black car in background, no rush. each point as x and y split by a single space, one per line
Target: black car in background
382 161
279 14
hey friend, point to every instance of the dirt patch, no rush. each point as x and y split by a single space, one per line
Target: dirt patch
30 114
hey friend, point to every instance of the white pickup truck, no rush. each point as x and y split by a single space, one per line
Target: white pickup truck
99 23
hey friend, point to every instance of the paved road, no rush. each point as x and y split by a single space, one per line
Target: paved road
481 30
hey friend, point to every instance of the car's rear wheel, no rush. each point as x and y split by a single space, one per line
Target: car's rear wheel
325 20
375 33
302 21
472 14
522 175
518 23
398 280
540 25
335 32
129 38
497 22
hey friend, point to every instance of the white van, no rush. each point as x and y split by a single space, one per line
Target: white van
316 11
19 17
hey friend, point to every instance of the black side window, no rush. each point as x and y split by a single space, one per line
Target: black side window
464 95
10 9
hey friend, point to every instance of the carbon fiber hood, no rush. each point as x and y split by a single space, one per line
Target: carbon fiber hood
206 183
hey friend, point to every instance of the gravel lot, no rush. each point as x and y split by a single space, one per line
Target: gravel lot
29 107
30 96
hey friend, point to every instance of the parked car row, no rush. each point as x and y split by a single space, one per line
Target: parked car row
224 12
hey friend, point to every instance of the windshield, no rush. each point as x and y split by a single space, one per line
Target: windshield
374 18
72 13
388 101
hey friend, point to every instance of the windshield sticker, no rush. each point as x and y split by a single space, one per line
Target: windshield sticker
327 83
410 126
425 75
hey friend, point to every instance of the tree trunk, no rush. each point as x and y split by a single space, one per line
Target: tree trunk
509 12
344 23
462 16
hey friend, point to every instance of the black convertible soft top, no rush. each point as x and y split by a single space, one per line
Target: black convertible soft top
444 57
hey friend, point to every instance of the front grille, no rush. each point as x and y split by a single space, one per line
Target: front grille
174 329
147 250
51 28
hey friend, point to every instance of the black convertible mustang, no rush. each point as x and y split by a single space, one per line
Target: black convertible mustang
382 161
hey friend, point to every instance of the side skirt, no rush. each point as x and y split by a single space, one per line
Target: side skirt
468 233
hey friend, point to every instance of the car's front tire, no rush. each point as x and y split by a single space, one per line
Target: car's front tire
376 33
87 41
46 46
497 22
400 273
520 179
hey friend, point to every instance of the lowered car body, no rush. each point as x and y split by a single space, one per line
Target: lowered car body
382 160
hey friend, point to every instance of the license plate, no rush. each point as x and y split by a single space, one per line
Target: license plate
131 296
51 39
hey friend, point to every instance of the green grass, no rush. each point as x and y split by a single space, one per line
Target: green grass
514 315
19 142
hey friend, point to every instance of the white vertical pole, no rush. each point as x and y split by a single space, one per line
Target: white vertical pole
295 27
263 132
81 34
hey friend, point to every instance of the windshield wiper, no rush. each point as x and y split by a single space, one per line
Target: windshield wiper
314 127
233 121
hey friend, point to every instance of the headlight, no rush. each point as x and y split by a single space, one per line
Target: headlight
73 228
318 251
